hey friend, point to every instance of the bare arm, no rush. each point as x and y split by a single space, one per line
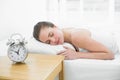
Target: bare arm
71 54
82 39
95 55
96 49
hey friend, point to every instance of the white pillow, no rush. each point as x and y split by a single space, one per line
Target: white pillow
35 46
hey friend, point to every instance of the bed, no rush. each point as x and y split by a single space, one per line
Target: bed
80 69
85 69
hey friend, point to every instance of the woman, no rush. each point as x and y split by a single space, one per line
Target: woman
47 32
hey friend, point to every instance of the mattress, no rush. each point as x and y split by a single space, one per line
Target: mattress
90 69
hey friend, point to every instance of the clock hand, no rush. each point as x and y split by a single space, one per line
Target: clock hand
16 52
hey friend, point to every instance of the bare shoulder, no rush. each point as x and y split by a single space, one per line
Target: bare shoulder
68 28
77 30
80 33
79 36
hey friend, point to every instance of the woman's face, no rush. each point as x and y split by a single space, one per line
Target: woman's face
53 36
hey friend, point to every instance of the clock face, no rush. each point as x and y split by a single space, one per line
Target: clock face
17 53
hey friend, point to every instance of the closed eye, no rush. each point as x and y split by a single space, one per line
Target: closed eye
50 34
47 42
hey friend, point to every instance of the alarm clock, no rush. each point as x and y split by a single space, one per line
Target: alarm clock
17 52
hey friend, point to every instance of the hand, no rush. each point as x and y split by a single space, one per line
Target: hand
68 53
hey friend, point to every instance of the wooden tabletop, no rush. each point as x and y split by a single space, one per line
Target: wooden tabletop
36 67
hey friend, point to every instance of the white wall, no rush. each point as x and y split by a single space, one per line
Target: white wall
20 16
98 14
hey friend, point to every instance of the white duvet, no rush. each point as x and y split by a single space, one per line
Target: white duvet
80 69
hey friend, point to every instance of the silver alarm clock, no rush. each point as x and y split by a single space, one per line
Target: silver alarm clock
17 52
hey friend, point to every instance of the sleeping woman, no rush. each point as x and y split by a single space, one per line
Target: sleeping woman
88 44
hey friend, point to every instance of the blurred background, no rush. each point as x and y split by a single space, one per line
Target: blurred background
21 15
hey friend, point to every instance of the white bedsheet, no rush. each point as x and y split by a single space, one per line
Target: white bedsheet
89 69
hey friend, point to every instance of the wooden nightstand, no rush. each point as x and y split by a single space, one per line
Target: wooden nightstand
36 67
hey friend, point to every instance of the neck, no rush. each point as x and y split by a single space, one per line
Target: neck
67 35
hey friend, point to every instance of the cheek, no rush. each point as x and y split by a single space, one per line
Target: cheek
56 34
60 36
